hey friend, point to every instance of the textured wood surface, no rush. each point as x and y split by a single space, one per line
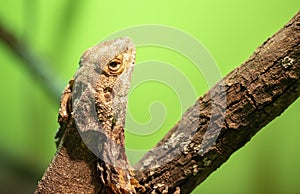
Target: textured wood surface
226 118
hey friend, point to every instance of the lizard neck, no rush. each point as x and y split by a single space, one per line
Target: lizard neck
111 110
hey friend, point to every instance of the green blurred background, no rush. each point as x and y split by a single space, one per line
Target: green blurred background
59 31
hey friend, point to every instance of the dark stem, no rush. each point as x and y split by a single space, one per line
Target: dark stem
34 64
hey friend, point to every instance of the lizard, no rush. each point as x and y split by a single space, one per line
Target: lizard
96 98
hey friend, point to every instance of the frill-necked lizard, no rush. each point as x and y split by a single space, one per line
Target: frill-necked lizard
95 101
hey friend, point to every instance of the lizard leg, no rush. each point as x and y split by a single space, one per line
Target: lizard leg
64 111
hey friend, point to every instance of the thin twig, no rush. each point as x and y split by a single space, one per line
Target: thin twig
36 66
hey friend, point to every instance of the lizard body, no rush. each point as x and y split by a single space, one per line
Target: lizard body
97 99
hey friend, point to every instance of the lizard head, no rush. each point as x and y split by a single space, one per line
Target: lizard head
103 79
107 69
111 57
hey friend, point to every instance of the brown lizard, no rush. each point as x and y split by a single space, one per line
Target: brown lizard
94 102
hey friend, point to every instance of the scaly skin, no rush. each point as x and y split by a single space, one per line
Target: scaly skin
97 99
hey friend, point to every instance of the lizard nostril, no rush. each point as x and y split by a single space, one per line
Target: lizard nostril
107 93
108 90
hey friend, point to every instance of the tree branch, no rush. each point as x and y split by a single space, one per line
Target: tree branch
225 119
219 123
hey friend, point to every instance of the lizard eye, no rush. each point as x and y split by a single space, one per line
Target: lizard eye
116 66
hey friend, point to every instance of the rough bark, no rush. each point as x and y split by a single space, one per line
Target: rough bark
219 123
225 119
